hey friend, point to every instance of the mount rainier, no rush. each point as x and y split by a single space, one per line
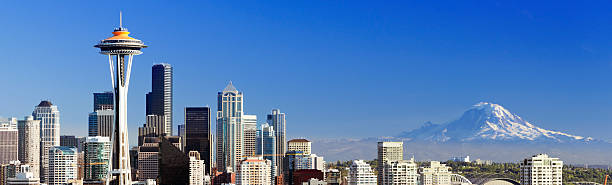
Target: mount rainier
489 122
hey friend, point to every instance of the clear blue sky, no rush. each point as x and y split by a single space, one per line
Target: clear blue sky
337 68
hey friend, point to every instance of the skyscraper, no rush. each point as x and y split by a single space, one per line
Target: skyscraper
266 146
229 129
70 141
198 136
97 159
119 48
154 127
12 122
541 170
277 119
249 123
102 118
9 143
103 101
101 123
29 144
159 100
49 117
62 165
388 151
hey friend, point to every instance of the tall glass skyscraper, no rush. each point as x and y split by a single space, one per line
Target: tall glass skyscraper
229 129
198 134
266 146
103 101
159 100
277 120
49 117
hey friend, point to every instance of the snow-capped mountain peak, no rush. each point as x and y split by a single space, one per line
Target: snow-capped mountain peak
489 121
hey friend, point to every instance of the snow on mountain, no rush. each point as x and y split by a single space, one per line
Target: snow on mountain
488 121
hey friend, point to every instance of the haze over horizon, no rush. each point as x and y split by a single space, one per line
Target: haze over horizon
365 69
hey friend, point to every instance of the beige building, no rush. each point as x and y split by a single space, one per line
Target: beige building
388 151
400 173
299 145
250 134
435 174
196 169
254 171
541 170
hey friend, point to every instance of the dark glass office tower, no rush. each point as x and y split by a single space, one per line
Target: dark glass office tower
159 100
103 101
198 134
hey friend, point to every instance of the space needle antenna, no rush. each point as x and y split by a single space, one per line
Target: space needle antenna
120 20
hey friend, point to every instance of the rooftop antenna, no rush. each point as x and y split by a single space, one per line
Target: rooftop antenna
120 20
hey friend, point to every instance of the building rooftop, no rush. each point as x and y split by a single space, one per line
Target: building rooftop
230 87
45 103
299 141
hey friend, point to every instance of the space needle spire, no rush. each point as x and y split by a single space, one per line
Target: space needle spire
120 49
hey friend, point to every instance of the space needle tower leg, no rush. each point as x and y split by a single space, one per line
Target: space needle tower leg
120 76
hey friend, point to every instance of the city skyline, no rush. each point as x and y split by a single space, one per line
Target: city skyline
548 78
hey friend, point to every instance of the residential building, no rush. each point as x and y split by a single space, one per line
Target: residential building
159 100
388 151
230 130
435 174
266 146
399 173
198 134
277 120
9 142
316 162
254 171
360 173
541 170
196 168
29 144
249 123
299 145
101 122
49 117
62 165
96 159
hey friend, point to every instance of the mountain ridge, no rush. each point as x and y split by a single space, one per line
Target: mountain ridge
487 121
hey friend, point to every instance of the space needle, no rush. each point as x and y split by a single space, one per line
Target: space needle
120 49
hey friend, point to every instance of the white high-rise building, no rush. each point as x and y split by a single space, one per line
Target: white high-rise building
250 134
9 142
254 171
230 131
388 151
62 165
360 173
49 117
400 173
29 144
299 145
316 162
541 170
196 169
435 174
